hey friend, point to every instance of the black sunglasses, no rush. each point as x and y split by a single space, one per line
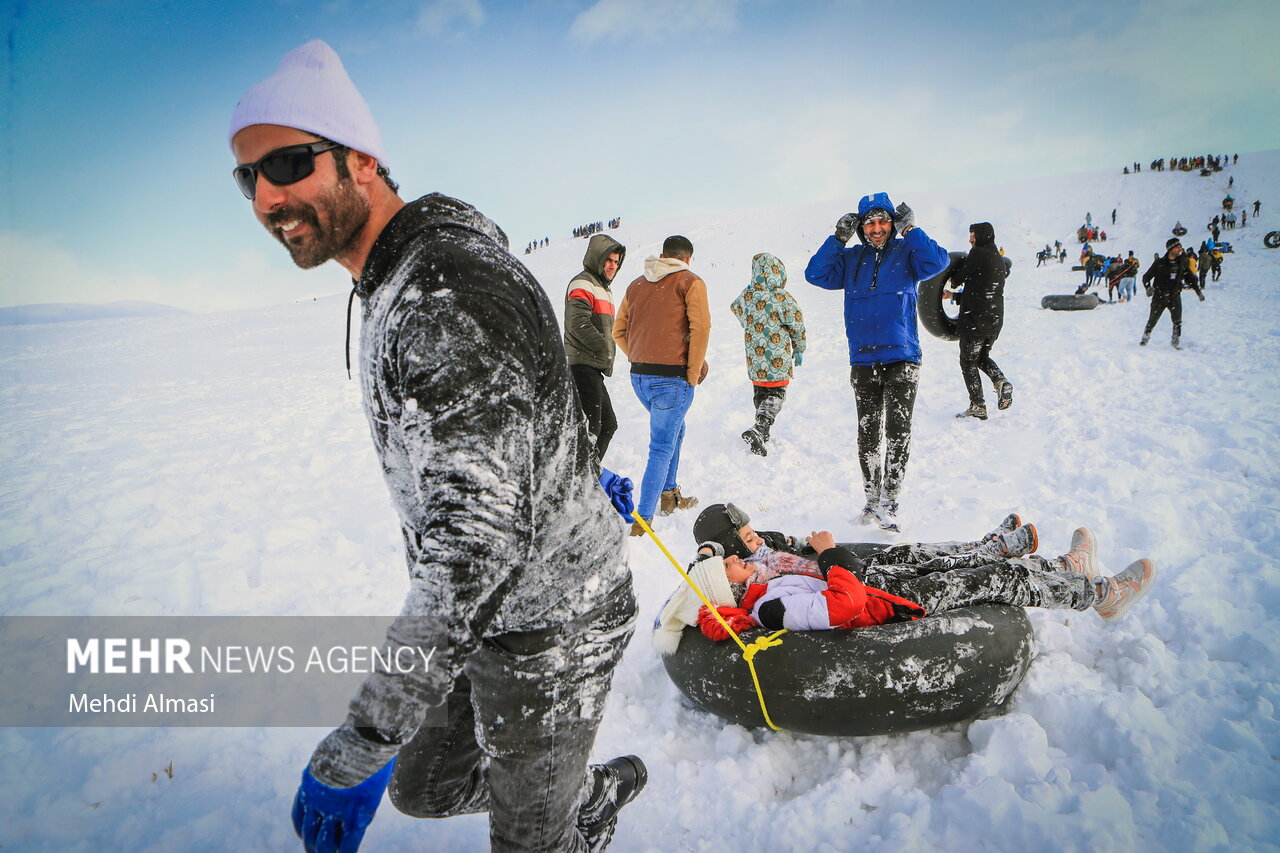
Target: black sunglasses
283 166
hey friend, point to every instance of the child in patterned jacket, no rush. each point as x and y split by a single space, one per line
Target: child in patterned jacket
773 333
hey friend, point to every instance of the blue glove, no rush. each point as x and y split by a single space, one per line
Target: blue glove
333 820
799 359
619 491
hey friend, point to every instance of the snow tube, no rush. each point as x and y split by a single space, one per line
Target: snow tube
901 677
931 306
1179 232
1272 240
1070 301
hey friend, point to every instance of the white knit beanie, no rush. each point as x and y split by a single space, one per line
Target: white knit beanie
681 609
311 91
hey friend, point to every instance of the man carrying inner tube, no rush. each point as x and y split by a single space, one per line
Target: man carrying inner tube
762 580
981 318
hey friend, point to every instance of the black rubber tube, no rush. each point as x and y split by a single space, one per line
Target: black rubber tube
1070 301
902 677
929 305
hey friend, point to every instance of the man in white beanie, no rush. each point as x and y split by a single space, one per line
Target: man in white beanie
517 586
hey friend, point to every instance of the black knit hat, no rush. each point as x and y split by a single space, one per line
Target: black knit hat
1171 242
720 523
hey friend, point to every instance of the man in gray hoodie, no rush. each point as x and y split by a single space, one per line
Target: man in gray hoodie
588 334
517 589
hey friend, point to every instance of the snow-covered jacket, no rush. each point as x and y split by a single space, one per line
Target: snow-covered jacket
879 287
588 308
483 446
772 323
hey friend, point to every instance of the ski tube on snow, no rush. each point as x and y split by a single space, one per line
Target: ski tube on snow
1070 301
1272 240
942 669
901 677
931 305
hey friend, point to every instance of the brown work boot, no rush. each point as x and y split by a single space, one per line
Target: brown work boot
671 500
636 529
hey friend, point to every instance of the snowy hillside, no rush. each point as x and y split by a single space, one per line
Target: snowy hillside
68 312
220 464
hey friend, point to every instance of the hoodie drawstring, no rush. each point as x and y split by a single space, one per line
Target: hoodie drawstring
876 270
350 300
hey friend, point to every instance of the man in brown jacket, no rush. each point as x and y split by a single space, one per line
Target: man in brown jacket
663 326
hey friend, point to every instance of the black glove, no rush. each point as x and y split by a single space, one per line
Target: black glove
844 558
780 541
845 227
905 218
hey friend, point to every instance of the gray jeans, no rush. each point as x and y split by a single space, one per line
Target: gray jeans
522 718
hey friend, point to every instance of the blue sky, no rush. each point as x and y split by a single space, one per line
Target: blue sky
116 177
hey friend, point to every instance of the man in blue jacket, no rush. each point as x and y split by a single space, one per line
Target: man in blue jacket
879 279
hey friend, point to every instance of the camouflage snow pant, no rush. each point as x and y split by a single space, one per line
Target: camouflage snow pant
948 575
885 395
768 402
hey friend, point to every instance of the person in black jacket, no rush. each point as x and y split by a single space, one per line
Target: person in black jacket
1164 281
980 321
516 579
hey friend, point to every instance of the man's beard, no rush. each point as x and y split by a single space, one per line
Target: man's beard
346 212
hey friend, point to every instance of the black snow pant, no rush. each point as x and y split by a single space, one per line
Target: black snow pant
768 402
1030 581
885 395
596 405
522 718
1159 302
975 355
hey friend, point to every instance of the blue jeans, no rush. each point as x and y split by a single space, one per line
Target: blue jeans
667 399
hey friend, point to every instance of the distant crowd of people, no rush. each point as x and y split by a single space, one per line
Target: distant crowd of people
534 245
596 227
1210 162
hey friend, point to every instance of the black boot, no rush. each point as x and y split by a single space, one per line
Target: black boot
615 783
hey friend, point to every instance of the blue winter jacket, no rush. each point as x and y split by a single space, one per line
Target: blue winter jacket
879 287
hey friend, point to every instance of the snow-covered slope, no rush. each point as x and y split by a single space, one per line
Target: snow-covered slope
67 312
220 464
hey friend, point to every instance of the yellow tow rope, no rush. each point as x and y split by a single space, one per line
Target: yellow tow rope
749 650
